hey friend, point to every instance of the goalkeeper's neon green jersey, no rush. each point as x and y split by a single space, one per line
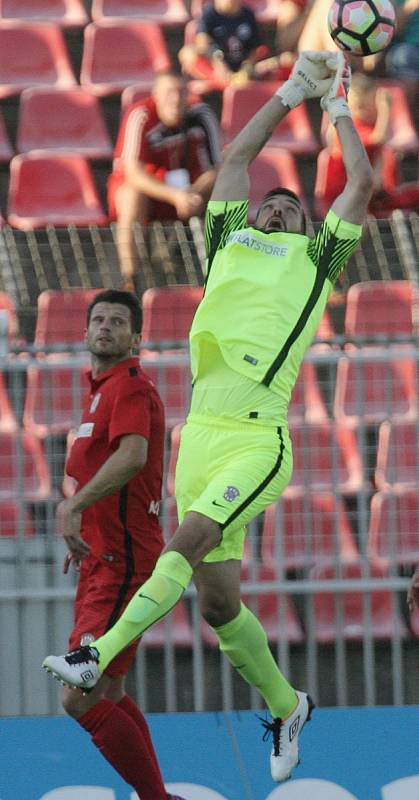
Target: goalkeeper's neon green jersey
265 295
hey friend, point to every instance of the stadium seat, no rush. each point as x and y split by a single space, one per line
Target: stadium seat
62 121
330 180
175 628
32 55
374 384
168 313
166 13
6 150
299 532
52 190
7 417
350 621
326 458
115 56
397 455
294 134
393 533
307 404
23 467
273 167
62 316
64 13
394 304
8 306
15 520
54 396
404 138
171 374
266 10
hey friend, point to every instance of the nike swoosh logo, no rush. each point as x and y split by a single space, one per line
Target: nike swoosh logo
214 502
152 600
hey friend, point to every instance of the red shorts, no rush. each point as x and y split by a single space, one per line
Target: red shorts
102 595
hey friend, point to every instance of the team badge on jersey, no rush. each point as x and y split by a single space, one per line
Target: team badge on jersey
231 493
95 402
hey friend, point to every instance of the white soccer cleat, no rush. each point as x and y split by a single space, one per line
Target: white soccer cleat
285 733
79 669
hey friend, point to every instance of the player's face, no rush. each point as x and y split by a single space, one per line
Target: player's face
227 6
109 334
170 95
280 213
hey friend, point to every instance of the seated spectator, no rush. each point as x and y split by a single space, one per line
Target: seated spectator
370 105
165 162
402 59
226 46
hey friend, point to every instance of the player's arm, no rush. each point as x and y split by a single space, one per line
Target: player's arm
352 204
312 76
129 458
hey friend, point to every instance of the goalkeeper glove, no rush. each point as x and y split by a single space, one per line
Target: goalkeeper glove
312 76
335 100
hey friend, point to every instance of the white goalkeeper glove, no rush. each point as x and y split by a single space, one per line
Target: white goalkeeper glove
312 76
335 99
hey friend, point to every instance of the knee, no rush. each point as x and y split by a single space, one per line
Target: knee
218 611
74 703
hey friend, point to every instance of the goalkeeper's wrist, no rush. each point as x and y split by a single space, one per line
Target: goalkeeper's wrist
337 108
291 94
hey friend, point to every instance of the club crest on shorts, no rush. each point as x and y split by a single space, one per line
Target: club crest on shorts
231 493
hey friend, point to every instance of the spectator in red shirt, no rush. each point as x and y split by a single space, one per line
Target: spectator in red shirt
165 163
111 527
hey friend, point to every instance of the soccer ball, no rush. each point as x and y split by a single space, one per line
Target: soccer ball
362 27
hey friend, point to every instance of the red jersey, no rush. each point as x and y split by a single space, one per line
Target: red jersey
193 146
122 528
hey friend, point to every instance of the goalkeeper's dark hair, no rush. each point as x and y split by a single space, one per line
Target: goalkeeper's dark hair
124 298
280 190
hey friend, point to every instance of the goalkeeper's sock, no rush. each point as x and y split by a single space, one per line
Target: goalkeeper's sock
153 601
245 644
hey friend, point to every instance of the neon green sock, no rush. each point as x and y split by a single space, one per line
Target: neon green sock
245 644
153 601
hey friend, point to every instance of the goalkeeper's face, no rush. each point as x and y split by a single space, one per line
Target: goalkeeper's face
281 213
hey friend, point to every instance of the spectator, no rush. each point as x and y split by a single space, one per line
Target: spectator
371 112
402 58
165 164
226 46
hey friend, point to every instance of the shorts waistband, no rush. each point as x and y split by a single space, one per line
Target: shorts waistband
233 424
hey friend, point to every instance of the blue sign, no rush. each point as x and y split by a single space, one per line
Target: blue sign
346 754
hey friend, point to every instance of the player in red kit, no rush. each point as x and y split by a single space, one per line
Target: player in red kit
111 527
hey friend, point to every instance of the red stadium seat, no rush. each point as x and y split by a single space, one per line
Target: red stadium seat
8 306
307 403
52 190
351 623
115 56
65 13
6 150
15 520
326 458
301 531
294 134
54 397
266 10
23 467
177 623
393 533
375 388
7 416
394 304
273 167
168 313
397 455
32 55
62 316
165 12
62 121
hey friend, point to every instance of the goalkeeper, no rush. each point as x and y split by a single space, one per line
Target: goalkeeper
266 290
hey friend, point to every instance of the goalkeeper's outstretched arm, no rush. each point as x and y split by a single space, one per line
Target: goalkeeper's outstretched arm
312 76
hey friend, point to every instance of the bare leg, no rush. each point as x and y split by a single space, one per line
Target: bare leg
131 207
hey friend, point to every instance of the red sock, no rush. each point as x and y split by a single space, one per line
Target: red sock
134 712
122 743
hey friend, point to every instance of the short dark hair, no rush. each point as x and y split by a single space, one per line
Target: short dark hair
127 299
289 193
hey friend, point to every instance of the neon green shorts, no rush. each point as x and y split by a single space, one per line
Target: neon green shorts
231 472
